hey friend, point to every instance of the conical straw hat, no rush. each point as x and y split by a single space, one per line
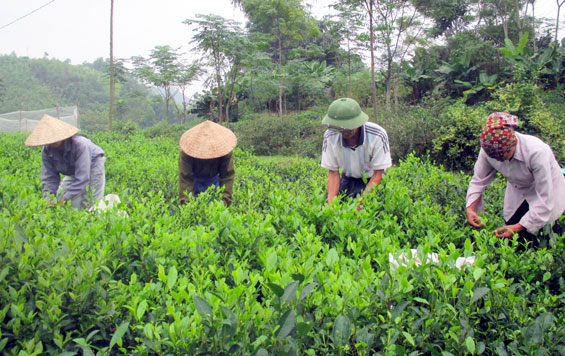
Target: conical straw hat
208 140
50 130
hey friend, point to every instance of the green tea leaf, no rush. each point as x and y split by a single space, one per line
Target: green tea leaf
409 338
286 324
20 233
172 277
276 288
478 272
421 300
470 344
331 257
289 292
141 308
304 328
272 260
202 306
341 331
546 276
479 293
118 334
3 343
307 290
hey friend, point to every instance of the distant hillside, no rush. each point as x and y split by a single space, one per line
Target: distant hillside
33 84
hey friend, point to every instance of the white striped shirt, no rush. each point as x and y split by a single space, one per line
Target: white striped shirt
372 152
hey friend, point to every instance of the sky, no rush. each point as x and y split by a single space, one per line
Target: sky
79 30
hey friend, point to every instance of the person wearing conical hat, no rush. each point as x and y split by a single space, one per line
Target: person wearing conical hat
535 186
66 152
206 161
360 149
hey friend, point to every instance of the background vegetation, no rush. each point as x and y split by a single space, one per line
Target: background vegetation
436 69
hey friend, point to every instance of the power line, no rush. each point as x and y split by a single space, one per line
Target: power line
26 15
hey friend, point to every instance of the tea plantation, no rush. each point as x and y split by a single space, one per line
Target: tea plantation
277 273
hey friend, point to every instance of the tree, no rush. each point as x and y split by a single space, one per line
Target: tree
368 8
220 41
161 70
449 17
111 110
288 22
185 76
398 30
349 21
559 4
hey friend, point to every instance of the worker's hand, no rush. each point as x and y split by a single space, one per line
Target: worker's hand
62 202
473 218
360 206
506 232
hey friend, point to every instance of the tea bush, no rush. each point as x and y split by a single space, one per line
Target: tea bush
277 273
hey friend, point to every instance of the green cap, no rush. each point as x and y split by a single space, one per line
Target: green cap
345 113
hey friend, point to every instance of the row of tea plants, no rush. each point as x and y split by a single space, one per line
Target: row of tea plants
277 273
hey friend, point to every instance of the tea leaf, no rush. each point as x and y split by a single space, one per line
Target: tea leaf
470 344
172 277
331 257
141 309
341 331
307 290
479 293
202 307
276 288
290 292
409 338
118 334
286 324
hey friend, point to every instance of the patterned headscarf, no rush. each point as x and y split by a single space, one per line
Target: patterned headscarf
497 136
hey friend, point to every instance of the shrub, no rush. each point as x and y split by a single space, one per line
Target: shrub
535 117
295 134
456 144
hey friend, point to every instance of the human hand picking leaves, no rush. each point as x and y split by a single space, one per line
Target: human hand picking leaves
506 232
473 218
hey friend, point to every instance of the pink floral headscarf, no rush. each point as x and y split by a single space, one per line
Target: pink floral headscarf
497 136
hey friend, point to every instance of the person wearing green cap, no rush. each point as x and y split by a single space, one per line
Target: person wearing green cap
360 149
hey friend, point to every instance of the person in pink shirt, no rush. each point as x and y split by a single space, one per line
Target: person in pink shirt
535 185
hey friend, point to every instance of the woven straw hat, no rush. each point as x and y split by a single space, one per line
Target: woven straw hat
208 140
50 130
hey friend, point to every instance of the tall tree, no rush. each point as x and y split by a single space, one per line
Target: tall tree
559 4
111 109
367 6
348 23
288 22
220 40
187 74
160 69
398 29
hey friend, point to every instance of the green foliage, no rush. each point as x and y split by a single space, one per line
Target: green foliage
295 134
525 101
457 142
33 84
277 273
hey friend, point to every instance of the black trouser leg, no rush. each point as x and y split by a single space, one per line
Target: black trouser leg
352 187
523 236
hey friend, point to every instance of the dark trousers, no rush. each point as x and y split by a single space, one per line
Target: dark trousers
524 236
351 187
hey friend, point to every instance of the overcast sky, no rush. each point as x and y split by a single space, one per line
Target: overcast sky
79 29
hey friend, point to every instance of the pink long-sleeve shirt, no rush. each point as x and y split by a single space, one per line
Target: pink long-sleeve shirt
532 174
